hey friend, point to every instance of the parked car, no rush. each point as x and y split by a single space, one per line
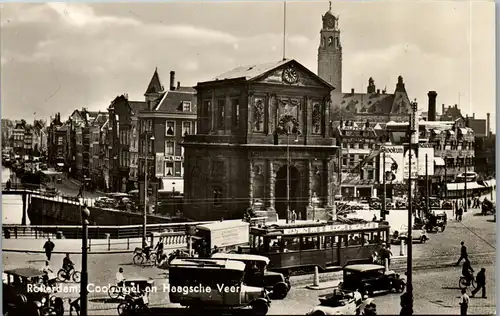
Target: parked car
447 205
418 234
338 303
18 300
371 278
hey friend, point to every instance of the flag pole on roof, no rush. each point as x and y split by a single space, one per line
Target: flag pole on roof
284 29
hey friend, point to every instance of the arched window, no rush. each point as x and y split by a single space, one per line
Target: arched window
330 41
337 42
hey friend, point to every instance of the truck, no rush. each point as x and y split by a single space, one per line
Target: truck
226 235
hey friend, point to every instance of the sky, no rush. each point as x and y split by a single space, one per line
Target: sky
57 57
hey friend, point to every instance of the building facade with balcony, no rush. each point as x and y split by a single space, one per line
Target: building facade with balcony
238 159
96 148
18 139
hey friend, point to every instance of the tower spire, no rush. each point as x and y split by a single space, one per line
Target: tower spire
330 6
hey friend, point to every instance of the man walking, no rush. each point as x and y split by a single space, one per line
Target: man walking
464 303
49 247
480 283
463 253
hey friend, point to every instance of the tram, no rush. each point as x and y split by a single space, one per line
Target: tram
292 247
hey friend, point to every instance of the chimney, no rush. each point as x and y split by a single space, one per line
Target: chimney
487 124
473 115
378 91
172 80
431 112
442 110
352 91
178 85
456 106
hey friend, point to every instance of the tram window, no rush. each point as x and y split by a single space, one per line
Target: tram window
275 244
330 242
309 243
291 244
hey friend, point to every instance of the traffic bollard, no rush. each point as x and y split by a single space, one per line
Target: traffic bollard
316 276
402 251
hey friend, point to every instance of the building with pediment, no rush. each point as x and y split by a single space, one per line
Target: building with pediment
373 105
238 160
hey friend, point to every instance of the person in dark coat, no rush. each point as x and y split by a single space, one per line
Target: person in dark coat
463 253
480 283
49 247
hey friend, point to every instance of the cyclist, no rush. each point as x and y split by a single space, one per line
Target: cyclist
467 271
146 249
67 265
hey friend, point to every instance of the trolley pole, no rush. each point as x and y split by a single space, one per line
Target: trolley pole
145 214
445 181
85 212
384 197
427 206
465 184
287 176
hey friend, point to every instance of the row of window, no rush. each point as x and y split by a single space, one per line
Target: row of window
220 113
187 128
359 146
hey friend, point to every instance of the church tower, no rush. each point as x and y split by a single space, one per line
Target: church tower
330 51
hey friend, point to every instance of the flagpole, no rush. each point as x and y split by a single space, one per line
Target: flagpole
284 29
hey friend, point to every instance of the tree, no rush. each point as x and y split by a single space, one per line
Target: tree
339 113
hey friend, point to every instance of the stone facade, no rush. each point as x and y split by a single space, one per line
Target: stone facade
238 160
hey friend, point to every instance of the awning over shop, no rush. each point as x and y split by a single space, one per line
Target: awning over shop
461 186
438 161
168 184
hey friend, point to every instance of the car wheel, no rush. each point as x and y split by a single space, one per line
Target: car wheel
138 259
61 275
318 313
122 308
280 291
114 292
422 239
260 308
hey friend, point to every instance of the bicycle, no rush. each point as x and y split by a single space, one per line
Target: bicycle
141 258
133 305
463 284
71 274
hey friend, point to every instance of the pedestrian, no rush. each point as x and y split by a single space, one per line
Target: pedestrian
8 184
374 218
49 247
480 283
48 274
469 202
463 253
294 216
357 300
75 305
464 303
460 213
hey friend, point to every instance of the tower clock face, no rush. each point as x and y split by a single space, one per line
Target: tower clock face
290 75
330 23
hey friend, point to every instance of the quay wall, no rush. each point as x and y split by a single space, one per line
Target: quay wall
44 211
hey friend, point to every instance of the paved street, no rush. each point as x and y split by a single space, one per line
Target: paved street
477 231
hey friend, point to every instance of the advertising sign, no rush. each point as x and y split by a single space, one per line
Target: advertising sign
159 165
421 161
328 228
414 164
394 156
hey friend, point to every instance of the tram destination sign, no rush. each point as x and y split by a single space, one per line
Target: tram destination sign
328 228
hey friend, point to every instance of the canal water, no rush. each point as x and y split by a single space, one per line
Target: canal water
12 205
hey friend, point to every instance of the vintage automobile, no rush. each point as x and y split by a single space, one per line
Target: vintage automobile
257 275
441 219
371 278
25 294
487 207
418 234
216 285
447 205
339 303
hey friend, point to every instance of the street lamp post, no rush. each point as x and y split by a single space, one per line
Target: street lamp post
384 203
286 130
85 277
173 199
145 214
408 296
